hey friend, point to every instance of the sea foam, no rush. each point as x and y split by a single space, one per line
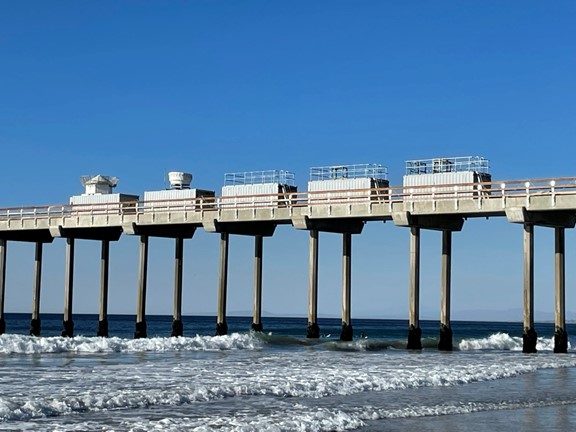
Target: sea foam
503 341
19 344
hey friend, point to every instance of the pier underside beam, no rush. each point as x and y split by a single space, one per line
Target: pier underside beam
313 331
336 225
264 229
101 233
560 334
257 314
35 326
414 331
177 326
432 222
445 343
104 270
3 244
175 231
551 219
68 323
529 336
28 235
141 331
347 333
221 326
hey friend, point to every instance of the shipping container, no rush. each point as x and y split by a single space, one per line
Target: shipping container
361 189
104 203
464 183
187 199
258 195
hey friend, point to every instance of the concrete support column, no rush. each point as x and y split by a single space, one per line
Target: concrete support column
142 284
35 322
68 323
257 317
313 331
560 334
347 332
104 267
177 326
445 343
414 332
221 326
529 336
2 284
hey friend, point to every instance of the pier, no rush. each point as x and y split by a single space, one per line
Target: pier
333 203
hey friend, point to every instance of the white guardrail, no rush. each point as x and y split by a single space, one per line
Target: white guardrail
474 191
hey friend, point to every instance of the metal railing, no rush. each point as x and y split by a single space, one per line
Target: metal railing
259 177
447 164
473 191
374 171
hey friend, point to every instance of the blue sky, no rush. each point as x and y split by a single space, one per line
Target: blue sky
136 89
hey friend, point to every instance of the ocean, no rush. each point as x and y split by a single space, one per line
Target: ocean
279 380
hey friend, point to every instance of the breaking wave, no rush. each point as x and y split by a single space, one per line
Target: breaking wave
19 344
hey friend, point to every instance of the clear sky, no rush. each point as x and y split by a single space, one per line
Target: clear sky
135 89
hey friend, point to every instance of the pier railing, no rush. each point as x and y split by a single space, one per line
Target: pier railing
502 191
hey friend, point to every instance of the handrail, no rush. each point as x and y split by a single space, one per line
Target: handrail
480 190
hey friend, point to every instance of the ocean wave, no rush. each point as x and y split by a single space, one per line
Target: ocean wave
304 418
312 377
503 341
19 344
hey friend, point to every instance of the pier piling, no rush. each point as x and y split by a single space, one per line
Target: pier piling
104 270
177 326
257 316
347 333
140 331
68 323
35 326
3 244
313 331
445 343
414 331
560 334
221 326
529 336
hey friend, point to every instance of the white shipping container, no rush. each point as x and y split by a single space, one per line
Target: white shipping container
104 203
445 183
268 194
102 198
345 188
177 198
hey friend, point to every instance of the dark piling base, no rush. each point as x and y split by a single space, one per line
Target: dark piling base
560 341
221 329
312 331
529 339
257 327
140 332
346 333
68 328
177 328
102 328
414 338
35 327
2 326
445 343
